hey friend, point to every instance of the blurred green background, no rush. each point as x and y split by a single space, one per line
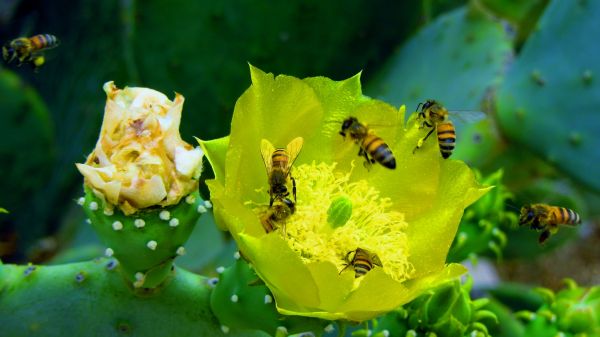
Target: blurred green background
530 66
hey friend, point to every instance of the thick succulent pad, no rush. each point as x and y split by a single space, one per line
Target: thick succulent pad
92 299
144 243
550 97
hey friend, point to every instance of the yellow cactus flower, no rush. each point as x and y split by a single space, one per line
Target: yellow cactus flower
140 159
406 216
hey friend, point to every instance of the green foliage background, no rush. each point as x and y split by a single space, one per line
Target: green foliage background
529 65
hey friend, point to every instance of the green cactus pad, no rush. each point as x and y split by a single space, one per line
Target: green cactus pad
145 243
458 56
91 299
241 301
551 94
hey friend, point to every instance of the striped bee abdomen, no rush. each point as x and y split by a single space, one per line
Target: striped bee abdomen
446 138
565 215
379 151
43 41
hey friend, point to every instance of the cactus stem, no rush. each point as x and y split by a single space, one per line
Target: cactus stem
139 223
236 255
93 206
80 277
212 282
81 201
234 298
164 215
536 76
190 199
180 251
174 222
109 252
461 239
117 225
201 209
112 264
140 279
123 328
30 269
220 269
587 77
269 299
225 329
152 244
575 138
281 331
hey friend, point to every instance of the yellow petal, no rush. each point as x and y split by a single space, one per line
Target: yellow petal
282 270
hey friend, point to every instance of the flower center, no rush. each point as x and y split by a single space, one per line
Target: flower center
334 217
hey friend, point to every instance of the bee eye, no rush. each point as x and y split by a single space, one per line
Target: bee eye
530 215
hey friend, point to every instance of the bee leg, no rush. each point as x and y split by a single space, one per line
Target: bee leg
345 267
422 140
544 236
293 187
283 229
271 199
368 161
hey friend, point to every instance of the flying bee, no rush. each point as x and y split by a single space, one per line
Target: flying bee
372 147
546 218
278 163
29 49
362 261
435 116
277 213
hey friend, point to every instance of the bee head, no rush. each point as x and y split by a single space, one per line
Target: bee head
290 204
429 103
7 53
347 124
527 215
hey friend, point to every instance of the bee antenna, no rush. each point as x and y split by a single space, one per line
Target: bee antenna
419 106
513 207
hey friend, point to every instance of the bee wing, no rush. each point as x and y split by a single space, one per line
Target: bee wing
468 116
375 260
266 150
293 149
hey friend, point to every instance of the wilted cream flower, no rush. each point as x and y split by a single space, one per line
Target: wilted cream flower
140 159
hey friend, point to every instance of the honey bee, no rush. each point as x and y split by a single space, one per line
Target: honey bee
436 117
29 49
546 218
362 261
281 209
278 163
372 147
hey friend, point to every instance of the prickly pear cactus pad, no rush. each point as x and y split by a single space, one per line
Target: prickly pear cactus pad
549 100
141 183
453 60
406 216
91 299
